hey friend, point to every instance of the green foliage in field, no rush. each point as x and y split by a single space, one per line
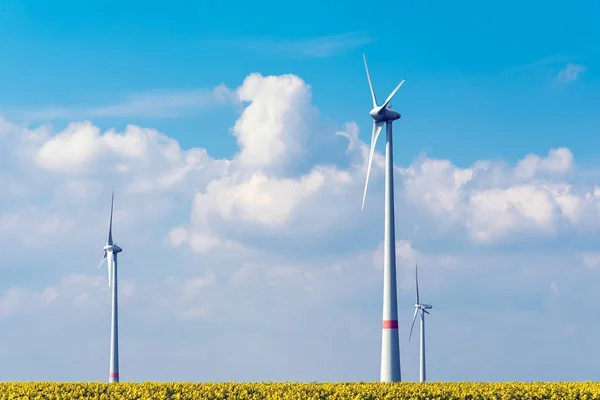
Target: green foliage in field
304 391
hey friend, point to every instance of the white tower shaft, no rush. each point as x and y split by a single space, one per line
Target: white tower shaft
390 344
113 375
422 377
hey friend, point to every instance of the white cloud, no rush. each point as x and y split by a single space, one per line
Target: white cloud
493 201
156 160
72 149
252 261
74 290
436 184
570 73
591 259
350 132
257 190
272 128
177 236
496 212
558 162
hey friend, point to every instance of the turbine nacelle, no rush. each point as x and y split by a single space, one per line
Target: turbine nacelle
380 114
424 306
113 247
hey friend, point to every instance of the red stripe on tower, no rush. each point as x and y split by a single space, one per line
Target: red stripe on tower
113 375
390 324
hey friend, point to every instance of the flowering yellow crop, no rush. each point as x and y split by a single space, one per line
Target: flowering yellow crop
304 391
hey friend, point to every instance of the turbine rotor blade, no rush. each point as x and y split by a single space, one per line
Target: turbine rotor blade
370 84
425 311
417 283
413 323
389 98
111 264
112 202
376 130
103 259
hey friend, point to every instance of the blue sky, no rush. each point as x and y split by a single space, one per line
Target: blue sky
237 201
461 62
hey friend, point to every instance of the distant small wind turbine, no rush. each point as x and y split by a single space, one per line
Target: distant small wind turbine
110 254
390 343
423 309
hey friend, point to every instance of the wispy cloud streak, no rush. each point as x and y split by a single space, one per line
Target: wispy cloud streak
570 73
152 104
319 47
558 62
541 63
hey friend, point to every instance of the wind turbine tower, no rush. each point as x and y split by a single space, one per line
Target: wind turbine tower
390 345
422 309
110 255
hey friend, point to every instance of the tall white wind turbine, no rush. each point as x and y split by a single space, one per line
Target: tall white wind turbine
422 309
110 254
390 346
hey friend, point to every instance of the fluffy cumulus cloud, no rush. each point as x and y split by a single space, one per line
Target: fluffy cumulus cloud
493 201
269 269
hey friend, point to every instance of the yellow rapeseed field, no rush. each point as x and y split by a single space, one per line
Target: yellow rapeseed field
289 391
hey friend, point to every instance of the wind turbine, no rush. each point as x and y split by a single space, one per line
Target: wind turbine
110 255
423 309
390 346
